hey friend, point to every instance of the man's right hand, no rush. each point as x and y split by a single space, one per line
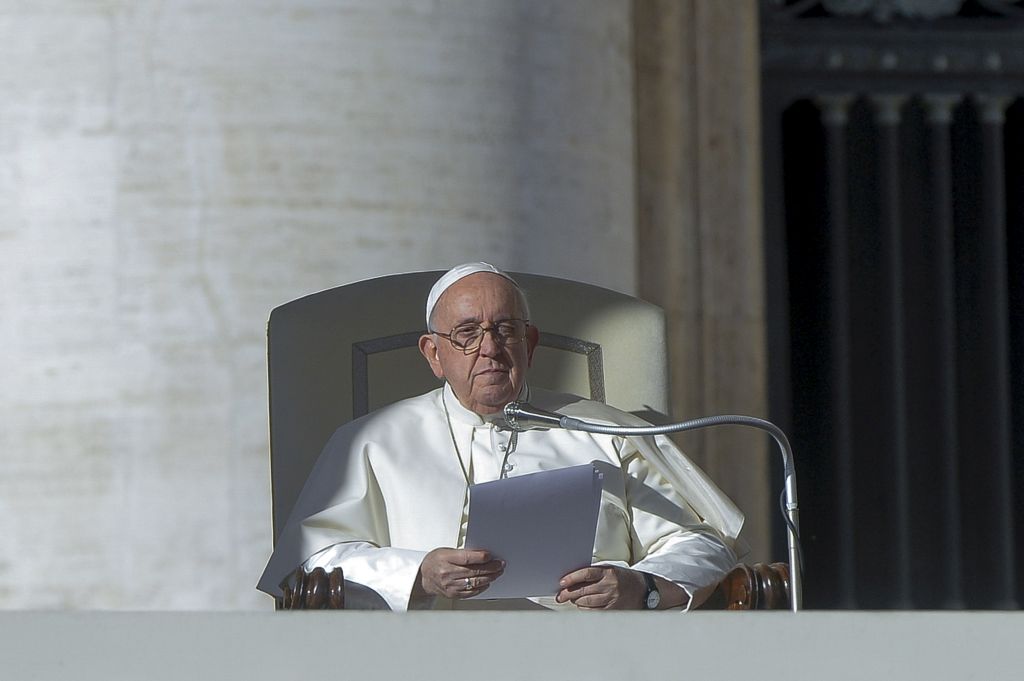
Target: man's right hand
458 573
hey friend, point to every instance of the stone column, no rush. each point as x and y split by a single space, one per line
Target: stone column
699 226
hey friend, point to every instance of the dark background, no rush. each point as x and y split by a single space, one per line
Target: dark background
894 214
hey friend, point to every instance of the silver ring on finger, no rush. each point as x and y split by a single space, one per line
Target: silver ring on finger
469 583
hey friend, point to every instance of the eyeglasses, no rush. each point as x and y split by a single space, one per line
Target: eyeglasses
468 337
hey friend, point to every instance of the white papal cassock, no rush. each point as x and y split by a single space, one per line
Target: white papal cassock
393 485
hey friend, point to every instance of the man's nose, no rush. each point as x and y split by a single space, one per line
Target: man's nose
489 345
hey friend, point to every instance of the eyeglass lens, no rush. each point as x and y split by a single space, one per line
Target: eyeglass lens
469 336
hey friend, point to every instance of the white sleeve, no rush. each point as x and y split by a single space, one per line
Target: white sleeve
695 560
390 572
671 541
341 514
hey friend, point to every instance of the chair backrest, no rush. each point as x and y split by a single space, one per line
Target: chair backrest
338 354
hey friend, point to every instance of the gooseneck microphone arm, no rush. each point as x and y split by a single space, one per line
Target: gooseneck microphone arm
522 416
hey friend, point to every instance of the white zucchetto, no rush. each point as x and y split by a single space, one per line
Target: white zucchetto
453 275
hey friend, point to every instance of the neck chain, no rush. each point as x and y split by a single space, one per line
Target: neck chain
512 442
451 431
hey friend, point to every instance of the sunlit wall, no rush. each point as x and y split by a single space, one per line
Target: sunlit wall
171 171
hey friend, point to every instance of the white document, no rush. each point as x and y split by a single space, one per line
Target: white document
542 525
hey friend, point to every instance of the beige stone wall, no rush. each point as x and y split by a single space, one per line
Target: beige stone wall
700 231
170 171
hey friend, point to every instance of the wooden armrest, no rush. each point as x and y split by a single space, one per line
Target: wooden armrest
758 587
316 590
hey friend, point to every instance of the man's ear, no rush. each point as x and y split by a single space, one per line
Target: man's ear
532 338
428 348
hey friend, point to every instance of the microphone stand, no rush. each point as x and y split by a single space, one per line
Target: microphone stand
521 416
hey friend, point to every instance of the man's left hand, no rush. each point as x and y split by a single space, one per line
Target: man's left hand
603 586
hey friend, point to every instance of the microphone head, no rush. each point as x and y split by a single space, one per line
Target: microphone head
511 413
522 416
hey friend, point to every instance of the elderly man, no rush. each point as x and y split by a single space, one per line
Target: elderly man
388 499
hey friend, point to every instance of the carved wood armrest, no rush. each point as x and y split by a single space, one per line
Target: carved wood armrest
758 587
317 590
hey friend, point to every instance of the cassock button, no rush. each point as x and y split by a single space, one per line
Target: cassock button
508 467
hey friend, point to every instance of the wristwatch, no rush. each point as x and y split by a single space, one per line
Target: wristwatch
653 597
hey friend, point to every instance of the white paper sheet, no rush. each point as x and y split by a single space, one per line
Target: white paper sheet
542 525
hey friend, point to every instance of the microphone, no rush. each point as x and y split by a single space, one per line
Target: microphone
520 416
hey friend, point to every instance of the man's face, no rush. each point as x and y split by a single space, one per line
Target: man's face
491 376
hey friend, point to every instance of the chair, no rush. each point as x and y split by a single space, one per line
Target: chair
338 354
